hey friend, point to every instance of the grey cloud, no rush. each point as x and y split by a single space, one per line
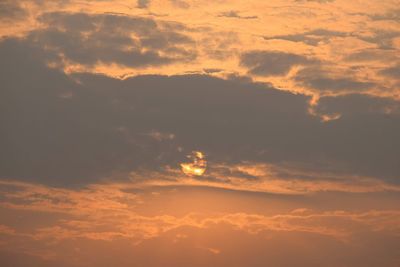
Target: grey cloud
62 131
362 56
392 72
393 15
319 80
143 3
180 4
89 39
313 37
235 14
357 105
372 55
68 130
212 70
383 39
366 126
270 63
335 84
11 9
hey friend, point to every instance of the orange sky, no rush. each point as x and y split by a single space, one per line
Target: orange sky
168 133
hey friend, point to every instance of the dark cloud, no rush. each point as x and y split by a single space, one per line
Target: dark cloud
212 70
110 38
313 37
63 131
383 38
393 15
335 84
365 126
357 105
75 129
143 3
235 14
272 63
180 4
11 9
317 79
392 72
371 55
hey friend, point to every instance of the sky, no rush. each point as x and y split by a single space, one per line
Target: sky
199 133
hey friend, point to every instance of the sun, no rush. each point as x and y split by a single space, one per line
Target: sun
196 166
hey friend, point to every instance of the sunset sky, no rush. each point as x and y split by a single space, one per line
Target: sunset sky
200 133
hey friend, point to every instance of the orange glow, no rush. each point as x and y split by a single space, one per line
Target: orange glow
197 165
199 133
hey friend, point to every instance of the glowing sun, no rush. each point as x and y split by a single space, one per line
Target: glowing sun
197 164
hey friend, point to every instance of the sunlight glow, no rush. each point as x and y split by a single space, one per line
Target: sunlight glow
197 164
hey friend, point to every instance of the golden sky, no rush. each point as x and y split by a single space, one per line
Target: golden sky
188 133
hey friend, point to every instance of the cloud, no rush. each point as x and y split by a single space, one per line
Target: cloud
76 129
393 15
382 38
272 63
109 38
266 178
10 10
235 14
357 105
113 130
313 38
366 55
98 205
90 163
319 79
112 222
143 3
180 4
335 84
392 72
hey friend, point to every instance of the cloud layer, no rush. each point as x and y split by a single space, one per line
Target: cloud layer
199 133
